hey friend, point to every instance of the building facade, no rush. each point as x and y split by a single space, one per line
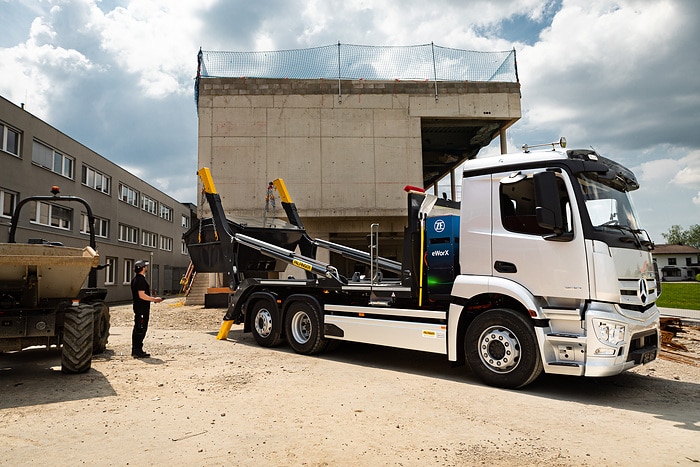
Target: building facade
133 220
677 262
345 162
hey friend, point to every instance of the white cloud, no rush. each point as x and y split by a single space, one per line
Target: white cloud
689 172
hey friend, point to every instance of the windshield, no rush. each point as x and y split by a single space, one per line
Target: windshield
608 207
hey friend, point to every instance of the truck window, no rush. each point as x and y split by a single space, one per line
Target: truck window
518 207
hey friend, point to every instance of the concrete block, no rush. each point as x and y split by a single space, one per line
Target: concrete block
293 122
204 121
346 122
357 100
395 123
243 101
304 101
239 122
425 106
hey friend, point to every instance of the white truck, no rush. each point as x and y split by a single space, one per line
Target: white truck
542 267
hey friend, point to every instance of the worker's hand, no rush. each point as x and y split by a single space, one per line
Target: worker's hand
158 300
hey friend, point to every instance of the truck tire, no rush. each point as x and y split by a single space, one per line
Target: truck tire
304 325
502 350
266 324
76 355
101 326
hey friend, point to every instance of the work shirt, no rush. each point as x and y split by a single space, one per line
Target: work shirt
139 282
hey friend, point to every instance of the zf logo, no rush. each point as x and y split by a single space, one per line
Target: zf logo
439 225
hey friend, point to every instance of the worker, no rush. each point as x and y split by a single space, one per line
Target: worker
140 290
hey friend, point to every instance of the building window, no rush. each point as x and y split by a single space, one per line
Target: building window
672 261
183 248
128 234
53 160
8 201
186 221
166 213
149 205
96 180
128 266
9 140
51 215
101 226
688 261
110 270
149 239
128 195
166 243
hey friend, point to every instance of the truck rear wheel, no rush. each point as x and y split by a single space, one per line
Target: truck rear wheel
304 325
502 350
266 324
101 327
76 355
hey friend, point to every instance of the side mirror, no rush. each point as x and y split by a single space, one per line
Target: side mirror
548 205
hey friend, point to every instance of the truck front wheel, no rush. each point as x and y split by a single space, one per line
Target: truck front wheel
76 354
501 349
304 325
266 324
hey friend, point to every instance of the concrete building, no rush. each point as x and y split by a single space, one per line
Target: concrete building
345 147
133 219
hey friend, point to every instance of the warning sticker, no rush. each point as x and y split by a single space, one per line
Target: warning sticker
301 264
433 334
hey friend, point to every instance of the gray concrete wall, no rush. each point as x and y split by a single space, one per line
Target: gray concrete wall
345 155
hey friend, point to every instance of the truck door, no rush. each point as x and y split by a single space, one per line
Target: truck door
548 264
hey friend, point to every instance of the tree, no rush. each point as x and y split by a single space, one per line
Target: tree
676 235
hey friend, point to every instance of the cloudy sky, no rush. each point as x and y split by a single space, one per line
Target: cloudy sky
622 76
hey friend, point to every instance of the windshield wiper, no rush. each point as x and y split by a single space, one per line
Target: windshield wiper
636 233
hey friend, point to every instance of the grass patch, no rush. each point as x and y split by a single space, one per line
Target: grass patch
680 295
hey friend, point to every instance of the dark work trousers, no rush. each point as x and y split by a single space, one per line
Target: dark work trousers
140 328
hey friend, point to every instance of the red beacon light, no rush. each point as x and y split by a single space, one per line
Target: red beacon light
411 188
55 190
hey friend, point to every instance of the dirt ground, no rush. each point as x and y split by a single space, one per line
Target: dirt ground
201 401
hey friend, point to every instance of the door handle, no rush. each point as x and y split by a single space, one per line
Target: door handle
505 267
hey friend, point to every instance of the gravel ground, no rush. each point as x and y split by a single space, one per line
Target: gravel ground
201 401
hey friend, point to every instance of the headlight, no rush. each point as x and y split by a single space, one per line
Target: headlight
609 332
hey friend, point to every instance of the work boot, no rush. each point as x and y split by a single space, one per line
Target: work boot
140 354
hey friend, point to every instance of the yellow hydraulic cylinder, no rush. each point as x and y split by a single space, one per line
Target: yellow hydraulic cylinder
282 190
224 330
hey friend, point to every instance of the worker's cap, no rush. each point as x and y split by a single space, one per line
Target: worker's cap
140 264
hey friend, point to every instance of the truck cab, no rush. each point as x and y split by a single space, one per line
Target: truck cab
555 235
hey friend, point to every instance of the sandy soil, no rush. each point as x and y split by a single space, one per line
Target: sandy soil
200 401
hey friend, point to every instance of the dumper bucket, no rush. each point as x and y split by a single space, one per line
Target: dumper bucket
207 252
60 271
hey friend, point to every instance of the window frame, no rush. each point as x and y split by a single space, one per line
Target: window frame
166 243
128 266
127 232
166 212
101 226
59 164
152 204
4 131
152 236
36 216
111 270
128 195
106 187
13 201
